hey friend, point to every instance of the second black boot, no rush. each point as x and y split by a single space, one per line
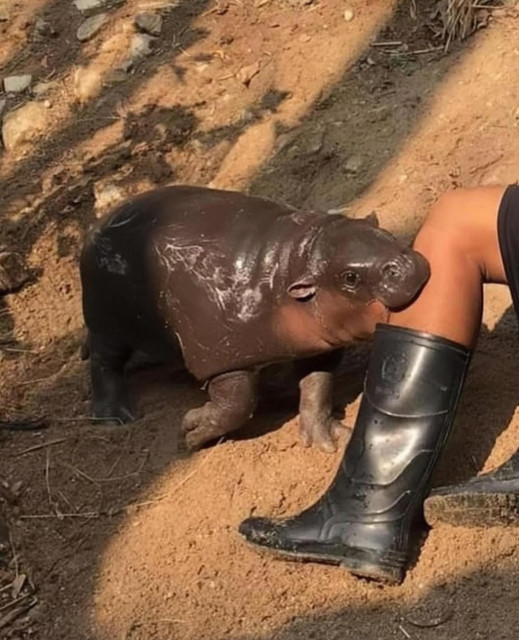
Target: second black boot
488 500
373 511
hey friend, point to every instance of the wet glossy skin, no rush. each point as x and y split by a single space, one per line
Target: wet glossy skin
237 282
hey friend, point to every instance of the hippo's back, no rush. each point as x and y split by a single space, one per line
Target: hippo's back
203 266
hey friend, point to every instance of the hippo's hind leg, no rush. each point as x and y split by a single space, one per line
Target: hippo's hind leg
317 426
233 398
110 396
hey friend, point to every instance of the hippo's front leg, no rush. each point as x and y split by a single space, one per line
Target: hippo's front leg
317 426
233 400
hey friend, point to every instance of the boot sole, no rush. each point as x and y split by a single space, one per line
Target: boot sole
488 509
370 570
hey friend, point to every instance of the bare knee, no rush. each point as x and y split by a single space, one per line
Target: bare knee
462 225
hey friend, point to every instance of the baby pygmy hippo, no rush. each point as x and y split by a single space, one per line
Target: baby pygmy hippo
231 283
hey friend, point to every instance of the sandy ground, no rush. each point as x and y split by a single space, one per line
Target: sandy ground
120 534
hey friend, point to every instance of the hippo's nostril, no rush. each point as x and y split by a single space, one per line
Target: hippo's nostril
391 270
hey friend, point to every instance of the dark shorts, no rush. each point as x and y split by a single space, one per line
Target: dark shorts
508 233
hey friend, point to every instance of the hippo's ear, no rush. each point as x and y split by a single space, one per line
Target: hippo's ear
372 219
303 289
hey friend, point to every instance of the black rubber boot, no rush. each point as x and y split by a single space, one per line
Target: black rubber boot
488 500
373 511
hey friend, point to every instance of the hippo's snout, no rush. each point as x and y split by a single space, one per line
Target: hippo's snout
399 280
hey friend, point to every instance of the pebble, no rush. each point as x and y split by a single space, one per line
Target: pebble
90 5
87 83
4 12
353 164
245 74
106 196
141 46
149 23
23 125
17 84
349 15
41 88
44 29
91 26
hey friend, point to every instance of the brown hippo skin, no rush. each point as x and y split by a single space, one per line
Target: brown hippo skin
232 283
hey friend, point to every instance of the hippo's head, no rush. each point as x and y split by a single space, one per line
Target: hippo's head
352 265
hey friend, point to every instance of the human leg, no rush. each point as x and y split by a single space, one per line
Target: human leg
372 512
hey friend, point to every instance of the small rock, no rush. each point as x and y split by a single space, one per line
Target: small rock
87 83
43 29
91 26
149 23
116 76
300 3
126 65
349 15
23 125
4 12
47 104
42 88
245 74
141 46
17 84
106 195
90 5
353 164
13 272
2 106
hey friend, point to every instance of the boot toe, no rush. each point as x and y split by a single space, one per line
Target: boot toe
261 531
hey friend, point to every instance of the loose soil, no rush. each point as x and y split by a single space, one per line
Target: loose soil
122 535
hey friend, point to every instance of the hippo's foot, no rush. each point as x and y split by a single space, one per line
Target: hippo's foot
107 360
321 432
233 400
112 412
201 425
317 426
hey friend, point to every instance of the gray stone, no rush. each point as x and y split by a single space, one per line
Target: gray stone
149 23
43 29
91 26
354 164
141 46
17 84
90 6
23 125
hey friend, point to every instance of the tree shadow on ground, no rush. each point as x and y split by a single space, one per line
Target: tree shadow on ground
477 604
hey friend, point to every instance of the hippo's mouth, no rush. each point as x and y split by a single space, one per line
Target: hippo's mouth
400 280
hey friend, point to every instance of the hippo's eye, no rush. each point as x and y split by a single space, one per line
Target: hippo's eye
351 279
